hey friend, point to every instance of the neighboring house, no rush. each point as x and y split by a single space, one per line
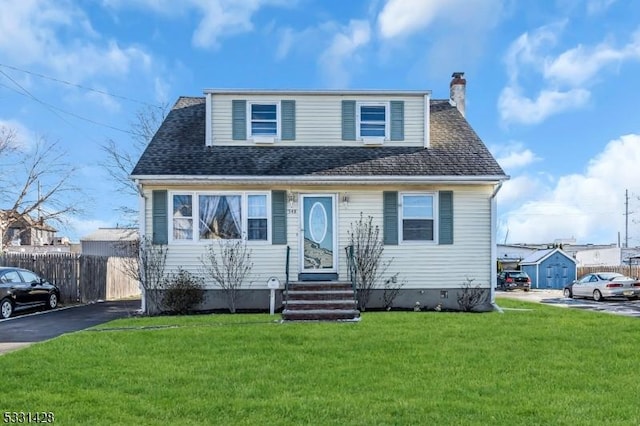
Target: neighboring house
294 169
26 231
609 256
510 255
550 268
118 242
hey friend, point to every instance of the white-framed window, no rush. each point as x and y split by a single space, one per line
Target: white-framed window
257 217
204 216
263 120
417 222
372 120
219 217
182 222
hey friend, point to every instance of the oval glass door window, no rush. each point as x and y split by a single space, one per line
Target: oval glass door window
318 222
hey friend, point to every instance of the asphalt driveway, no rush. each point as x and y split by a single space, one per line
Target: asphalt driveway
23 330
618 305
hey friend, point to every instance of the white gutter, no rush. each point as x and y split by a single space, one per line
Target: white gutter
296 92
318 180
142 226
493 270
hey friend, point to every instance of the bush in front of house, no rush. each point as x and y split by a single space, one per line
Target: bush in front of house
368 265
471 296
183 291
228 264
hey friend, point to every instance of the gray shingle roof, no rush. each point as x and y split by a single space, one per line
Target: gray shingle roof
178 148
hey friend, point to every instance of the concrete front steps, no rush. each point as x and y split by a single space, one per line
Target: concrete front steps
320 301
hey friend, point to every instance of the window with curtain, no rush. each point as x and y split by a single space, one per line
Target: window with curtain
220 217
182 217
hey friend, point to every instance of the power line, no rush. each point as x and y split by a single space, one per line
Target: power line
90 89
54 109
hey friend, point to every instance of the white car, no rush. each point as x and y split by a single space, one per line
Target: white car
603 284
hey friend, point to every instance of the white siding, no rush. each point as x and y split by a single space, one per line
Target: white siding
319 119
422 266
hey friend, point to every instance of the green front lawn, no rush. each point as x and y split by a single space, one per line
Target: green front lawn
539 365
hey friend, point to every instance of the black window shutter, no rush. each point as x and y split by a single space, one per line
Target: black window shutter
288 123
239 120
160 226
348 120
445 219
390 217
278 217
397 120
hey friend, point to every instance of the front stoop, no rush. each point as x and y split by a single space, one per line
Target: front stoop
320 301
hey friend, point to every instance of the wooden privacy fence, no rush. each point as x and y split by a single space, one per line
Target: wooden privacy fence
628 270
79 278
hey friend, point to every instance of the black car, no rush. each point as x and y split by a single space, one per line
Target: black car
20 288
510 280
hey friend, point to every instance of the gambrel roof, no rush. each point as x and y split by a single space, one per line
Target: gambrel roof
178 149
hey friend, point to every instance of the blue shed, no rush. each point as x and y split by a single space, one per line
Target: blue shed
550 268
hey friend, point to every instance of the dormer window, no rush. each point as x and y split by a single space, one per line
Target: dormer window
264 121
373 120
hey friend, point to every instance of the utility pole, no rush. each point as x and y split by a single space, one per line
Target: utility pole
626 218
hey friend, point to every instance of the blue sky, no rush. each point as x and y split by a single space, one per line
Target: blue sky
552 85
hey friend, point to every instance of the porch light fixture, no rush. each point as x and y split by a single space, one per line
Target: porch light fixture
345 198
292 197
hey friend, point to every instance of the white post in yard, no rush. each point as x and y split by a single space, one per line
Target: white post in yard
273 285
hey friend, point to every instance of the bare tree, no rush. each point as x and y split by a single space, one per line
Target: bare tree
228 265
121 158
368 264
36 181
8 143
146 264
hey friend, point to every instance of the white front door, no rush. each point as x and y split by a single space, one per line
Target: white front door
318 246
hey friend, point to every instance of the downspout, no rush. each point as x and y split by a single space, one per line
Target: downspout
493 271
142 226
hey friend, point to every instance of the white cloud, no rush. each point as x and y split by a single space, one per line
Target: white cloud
526 49
219 18
595 7
517 108
577 66
286 43
519 188
59 36
587 206
564 78
514 156
343 50
400 18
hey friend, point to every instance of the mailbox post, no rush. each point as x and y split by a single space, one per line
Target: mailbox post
273 285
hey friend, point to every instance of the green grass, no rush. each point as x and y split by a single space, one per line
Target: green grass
539 365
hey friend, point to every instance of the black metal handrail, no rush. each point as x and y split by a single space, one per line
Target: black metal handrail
351 267
286 272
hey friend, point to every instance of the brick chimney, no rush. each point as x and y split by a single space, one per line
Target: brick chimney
457 89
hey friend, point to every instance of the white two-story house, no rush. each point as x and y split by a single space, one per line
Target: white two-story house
291 171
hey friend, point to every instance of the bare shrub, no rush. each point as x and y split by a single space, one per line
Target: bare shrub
391 289
146 264
228 263
471 296
368 264
183 291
